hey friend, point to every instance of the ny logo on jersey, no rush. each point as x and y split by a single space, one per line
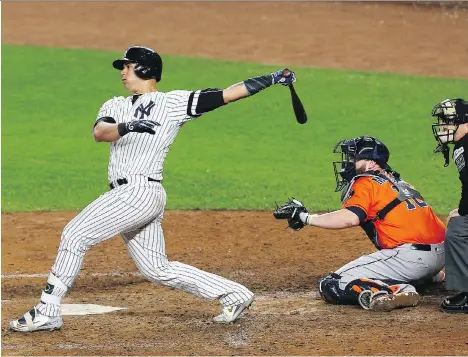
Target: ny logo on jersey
144 110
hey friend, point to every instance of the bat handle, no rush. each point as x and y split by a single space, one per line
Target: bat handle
291 89
286 72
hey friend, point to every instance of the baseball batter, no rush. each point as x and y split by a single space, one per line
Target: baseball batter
140 129
402 226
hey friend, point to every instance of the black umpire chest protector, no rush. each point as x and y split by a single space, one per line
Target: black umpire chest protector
404 192
460 157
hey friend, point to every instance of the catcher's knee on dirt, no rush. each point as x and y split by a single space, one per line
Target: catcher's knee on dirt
331 292
329 288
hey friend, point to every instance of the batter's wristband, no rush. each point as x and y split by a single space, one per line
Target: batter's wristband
256 84
122 129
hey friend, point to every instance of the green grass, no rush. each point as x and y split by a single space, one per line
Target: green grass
243 156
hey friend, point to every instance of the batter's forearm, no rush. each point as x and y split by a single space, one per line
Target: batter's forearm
235 92
254 85
246 88
334 220
106 132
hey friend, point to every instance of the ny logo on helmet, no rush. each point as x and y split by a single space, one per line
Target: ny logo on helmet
144 110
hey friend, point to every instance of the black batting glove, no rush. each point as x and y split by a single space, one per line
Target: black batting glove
284 77
137 126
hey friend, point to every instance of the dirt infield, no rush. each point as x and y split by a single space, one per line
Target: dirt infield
282 267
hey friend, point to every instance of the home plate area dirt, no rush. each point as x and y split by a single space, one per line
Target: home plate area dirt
281 266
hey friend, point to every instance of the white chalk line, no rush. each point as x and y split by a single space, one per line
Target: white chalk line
21 276
94 275
275 296
77 346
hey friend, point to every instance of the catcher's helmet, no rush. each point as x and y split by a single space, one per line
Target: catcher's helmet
352 150
148 62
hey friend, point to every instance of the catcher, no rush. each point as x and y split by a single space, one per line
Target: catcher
402 226
452 128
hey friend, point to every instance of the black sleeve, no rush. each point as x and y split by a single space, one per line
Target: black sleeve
358 212
105 120
209 99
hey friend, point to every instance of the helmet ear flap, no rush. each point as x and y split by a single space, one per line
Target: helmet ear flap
145 72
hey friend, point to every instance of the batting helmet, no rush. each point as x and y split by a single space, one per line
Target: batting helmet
148 62
352 150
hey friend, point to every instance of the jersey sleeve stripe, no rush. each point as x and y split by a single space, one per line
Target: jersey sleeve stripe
358 211
106 120
192 104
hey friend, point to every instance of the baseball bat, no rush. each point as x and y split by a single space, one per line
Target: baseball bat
299 111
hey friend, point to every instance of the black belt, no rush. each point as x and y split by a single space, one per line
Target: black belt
124 181
425 247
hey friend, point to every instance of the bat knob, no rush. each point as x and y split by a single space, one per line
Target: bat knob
286 72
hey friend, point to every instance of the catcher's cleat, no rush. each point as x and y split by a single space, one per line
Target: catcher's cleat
33 320
231 314
366 296
388 302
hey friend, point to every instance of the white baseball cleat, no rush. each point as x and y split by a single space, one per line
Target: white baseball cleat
388 302
383 301
33 320
231 314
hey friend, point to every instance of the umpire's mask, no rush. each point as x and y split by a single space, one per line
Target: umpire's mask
450 113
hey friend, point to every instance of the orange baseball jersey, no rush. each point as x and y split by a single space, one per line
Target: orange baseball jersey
412 221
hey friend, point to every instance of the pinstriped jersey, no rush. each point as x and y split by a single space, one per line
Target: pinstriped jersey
143 153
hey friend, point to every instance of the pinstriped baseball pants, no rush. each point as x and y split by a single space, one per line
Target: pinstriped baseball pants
135 211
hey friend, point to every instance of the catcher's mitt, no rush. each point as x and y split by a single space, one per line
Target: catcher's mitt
290 211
